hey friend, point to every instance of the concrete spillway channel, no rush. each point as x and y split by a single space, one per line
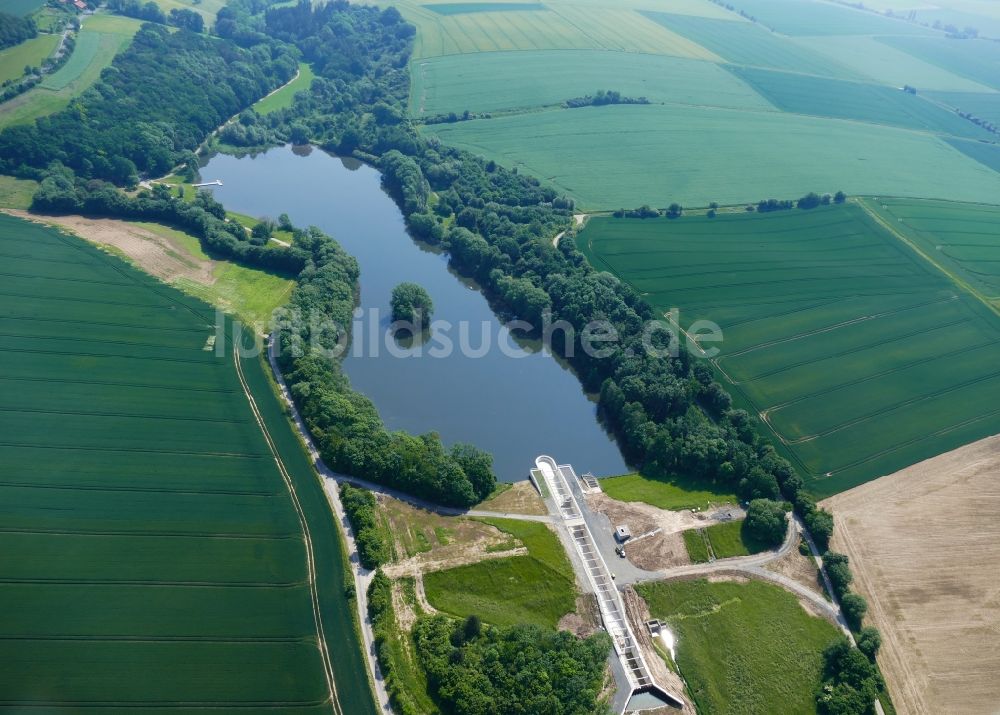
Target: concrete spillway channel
598 575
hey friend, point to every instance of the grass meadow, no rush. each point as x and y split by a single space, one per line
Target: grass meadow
859 355
84 52
673 493
31 52
16 193
625 156
536 588
697 546
252 295
743 647
283 98
149 537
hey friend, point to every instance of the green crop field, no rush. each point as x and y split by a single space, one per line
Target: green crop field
149 538
964 239
986 154
457 8
610 157
743 647
113 33
31 52
16 193
879 104
979 104
978 60
555 26
869 57
744 43
492 81
86 49
22 7
535 588
860 356
284 97
815 17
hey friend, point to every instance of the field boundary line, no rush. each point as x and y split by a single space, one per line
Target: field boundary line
958 282
306 534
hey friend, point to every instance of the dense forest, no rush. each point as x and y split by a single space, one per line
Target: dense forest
14 30
154 106
479 670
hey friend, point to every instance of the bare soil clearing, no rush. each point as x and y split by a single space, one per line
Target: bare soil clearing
798 568
585 620
924 543
425 541
521 498
662 550
638 614
155 254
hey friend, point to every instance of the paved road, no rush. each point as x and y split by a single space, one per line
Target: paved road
628 573
599 525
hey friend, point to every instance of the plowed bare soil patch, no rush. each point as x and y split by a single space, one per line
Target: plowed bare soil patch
924 545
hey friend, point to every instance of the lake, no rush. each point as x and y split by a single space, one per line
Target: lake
506 397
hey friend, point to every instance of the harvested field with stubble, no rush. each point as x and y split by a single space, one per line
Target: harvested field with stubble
923 545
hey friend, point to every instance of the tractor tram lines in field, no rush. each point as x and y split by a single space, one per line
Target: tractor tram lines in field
857 353
154 552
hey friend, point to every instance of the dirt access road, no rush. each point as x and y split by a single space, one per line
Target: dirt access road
924 545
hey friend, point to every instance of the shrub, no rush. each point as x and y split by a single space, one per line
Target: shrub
765 521
412 304
869 641
820 525
839 571
360 505
855 607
